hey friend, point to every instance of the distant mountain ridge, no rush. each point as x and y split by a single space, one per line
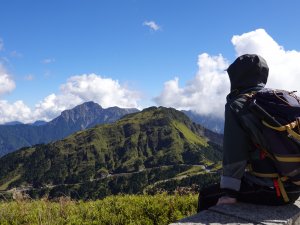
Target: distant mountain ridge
17 135
13 123
39 123
213 123
133 154
88 115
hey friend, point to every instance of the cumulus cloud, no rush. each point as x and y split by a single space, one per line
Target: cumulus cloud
152 25
283 64
77 90
6 82
18 111
206 92
88 87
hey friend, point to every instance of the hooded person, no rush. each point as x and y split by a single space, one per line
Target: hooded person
248 73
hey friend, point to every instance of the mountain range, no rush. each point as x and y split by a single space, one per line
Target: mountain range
16 135
139 152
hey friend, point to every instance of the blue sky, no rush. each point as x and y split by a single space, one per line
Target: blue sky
134 53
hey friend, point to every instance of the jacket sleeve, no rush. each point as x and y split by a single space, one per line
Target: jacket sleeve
236 148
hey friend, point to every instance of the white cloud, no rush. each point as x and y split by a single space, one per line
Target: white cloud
78 89
48 61
284 64
105 91
17 111
152 25
206 92
87 87
6 82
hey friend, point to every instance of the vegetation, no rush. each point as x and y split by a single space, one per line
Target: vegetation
114 210
149 150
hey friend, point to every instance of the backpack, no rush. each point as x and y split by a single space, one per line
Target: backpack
274 117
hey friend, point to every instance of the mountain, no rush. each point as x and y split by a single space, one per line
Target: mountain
13 123
213 123
131 155
39 123
86 115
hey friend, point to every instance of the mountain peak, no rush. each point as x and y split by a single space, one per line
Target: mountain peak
164 112
38 123
86 115
81 111
83 107
89 104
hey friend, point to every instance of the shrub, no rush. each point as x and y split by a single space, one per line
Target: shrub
159 209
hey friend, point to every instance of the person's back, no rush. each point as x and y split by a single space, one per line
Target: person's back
247 73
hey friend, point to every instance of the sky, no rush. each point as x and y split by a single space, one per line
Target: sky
56 54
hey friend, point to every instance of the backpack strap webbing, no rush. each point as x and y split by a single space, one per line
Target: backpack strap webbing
297 182
279 158
287 128
277 180
290 159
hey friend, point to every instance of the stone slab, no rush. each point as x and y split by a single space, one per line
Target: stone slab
246 214
269 215
210 217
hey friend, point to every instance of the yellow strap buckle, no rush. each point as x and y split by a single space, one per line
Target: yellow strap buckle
288 127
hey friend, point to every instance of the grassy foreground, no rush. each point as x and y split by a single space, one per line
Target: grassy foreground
114 210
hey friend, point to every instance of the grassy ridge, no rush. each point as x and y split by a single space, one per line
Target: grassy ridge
114 210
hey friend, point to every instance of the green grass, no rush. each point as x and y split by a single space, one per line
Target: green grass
114 210
217 167
188 134
192 171
4 186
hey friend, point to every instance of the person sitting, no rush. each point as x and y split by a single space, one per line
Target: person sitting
248 73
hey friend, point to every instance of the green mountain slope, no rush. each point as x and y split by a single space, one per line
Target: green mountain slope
129 151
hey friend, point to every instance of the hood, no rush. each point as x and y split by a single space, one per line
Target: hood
248 71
